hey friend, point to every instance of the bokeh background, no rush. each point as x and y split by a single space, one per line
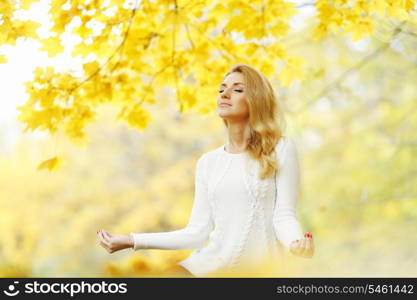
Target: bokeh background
101 127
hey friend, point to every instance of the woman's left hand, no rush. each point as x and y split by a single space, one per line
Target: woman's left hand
114 242
303 247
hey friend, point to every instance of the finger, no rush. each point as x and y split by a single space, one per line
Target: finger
98 234
312 245
308 247
293 247
103 245
101 239
300 248
294 244
104 238
296 247
107 234
311 237
303 246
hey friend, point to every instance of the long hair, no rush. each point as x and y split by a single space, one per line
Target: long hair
266 118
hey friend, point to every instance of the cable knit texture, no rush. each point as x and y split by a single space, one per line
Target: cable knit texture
235 218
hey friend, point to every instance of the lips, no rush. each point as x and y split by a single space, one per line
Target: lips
224 104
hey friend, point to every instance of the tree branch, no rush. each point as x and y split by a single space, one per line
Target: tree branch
108 59
357 66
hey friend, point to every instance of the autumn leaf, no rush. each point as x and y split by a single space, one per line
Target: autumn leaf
52 45
293 70
3 59
137 52
51 164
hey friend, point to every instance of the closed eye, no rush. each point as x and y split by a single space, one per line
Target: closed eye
235 90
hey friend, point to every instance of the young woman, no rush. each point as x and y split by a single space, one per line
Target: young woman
245 191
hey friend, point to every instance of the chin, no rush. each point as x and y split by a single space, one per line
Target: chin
222 114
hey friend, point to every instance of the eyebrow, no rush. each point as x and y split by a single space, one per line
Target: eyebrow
236 83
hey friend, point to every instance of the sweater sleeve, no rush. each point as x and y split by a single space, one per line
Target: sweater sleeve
287 228
200 224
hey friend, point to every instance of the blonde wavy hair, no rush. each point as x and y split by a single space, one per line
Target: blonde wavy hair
266 118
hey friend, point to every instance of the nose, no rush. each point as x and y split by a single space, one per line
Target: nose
225 93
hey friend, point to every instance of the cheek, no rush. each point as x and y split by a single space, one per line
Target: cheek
243 105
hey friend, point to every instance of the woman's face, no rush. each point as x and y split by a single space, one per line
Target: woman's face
231 103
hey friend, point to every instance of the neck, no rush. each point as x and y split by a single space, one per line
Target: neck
239 135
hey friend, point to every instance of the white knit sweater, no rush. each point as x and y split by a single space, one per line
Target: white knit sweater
235 218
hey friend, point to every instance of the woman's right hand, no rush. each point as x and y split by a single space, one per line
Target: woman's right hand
114 242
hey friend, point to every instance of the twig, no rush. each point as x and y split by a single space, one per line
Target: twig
359 65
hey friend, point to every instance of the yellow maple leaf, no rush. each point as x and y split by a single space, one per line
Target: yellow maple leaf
188 98
91 67
61 20
29 29
361 29
397 12
138 117
293 70
219 10
379 7
83 32
51 164
52 45
3 59
26 4
319 32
